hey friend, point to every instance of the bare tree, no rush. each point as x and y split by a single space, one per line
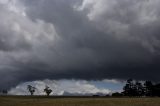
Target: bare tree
47 90
31 89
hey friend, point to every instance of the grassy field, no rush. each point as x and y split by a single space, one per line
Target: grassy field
53 101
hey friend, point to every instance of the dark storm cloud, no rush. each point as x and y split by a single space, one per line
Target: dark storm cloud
85 39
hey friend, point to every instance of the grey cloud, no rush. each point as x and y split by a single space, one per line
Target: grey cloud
126 20
59 39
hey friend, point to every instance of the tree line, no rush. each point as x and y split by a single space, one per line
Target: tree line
134 88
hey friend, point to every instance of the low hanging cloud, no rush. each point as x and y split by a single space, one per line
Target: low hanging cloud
61 87
82 39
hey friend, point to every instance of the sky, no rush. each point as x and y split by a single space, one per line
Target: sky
92 43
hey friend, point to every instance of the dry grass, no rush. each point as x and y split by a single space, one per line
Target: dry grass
43 101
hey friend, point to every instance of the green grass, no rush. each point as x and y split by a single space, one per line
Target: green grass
53 101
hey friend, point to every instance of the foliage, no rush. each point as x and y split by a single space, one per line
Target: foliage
47 90
31 89
136 88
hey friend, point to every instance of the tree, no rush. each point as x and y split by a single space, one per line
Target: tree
156 90
47 90
4 92
129 88
133 88
31 89
148 88
139 89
